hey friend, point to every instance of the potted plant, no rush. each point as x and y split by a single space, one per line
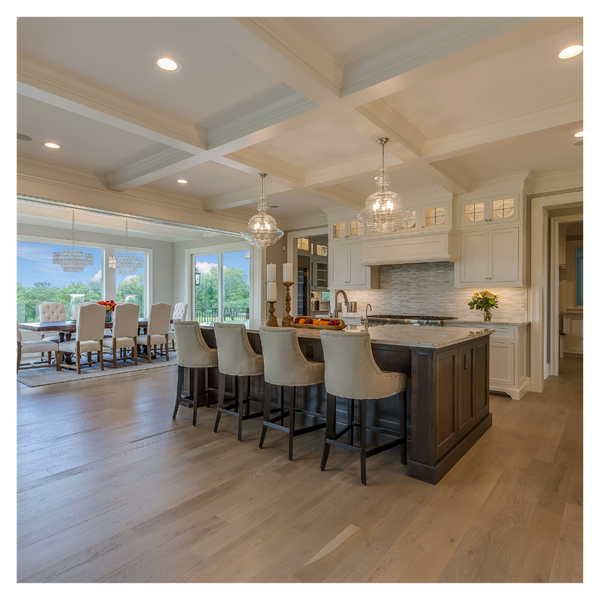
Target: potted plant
484 301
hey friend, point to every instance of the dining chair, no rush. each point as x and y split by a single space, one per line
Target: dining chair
52 312
351 373
193 356
179 314
238 360
89 336
34 346
157 332
286 367
124 333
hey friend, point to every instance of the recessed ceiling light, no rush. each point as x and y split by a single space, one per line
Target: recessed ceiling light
167 63
182 181
51 145
571 52
23 137
578 134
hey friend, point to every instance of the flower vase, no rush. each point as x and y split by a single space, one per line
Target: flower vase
487 315
108 316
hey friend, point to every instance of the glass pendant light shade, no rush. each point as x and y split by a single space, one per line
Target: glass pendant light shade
383 212
124 262
73 260
262 230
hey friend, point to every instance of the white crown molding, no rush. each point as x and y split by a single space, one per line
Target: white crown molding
425 195
267 164
560 180
302 222
453 173
509 183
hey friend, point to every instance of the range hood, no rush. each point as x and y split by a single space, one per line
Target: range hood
404 249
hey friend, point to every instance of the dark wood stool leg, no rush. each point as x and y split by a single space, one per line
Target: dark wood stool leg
292 423
363 442
266 411
280 396
350 409
247 396
403 430
180 373
195 396
329 429
206 386
241 399
221 400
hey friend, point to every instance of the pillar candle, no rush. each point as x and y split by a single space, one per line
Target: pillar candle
271 272
288 276
271 291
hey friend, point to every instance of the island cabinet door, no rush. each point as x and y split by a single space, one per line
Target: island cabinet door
481 378
446 405
465 404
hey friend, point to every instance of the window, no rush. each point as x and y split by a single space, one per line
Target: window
503 209
303 243
39 281
130 288
321 250
222 287
474 212
579 275
435 216
325 296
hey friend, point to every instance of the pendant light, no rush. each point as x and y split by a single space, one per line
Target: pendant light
125 263
383 212
73 260
262 230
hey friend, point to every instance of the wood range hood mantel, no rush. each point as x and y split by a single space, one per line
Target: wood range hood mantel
403 249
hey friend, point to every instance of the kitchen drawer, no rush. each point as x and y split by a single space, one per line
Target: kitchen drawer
502 334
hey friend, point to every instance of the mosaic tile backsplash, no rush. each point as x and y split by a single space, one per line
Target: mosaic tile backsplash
428 289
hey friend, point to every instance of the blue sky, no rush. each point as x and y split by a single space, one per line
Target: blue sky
232 260
34 264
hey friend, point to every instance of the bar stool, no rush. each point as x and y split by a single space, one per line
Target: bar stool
237 359
286 366
351 372
193 354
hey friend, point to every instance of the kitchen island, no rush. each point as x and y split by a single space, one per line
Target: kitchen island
448 393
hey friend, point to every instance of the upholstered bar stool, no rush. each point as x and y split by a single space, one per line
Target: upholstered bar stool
237 359
193 355
351 372
286 366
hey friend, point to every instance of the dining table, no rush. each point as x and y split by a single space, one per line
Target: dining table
66 328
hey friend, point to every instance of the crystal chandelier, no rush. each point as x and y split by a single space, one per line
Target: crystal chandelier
262 230
73 260
123 262
383 212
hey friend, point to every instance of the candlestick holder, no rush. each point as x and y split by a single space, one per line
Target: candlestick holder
288 319
271 319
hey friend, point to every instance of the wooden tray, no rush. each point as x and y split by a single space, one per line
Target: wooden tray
342 325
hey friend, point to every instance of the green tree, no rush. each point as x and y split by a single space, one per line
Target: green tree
236 289
132 286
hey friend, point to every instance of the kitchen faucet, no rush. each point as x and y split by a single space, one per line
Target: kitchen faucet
367 316
336 312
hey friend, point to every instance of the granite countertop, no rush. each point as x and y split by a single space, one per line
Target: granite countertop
404 335
480 322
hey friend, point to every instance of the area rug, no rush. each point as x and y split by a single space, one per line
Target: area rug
38 377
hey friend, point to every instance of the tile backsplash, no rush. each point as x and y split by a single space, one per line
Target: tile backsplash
428 289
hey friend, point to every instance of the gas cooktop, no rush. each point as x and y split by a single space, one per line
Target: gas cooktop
407 320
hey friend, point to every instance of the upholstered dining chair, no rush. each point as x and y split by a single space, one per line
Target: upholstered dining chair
52 312
179 314
158 332
124 333
34 346
351 373
286 367
193 355
89 336
238 360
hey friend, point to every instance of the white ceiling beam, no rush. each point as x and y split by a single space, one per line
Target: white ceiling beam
446 174
236 199
339 195
274 167
55 86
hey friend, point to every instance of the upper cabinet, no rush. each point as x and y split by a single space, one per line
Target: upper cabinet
492 240
346 270
346 229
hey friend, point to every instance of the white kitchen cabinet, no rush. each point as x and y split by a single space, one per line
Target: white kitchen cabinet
346 229
491 257
509 348
345 270
490 210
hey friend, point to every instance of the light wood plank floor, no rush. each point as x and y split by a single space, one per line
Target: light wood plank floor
111 489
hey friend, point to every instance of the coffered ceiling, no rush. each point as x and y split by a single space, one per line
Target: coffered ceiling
302 99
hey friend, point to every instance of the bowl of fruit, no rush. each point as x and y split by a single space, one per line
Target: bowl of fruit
316 323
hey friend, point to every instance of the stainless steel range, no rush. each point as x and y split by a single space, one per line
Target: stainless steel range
375 320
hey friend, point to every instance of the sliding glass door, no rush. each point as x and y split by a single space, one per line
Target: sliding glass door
222 287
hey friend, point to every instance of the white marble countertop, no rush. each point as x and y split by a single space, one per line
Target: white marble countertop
482 324
405 335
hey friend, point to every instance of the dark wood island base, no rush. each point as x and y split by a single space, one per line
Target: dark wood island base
448 395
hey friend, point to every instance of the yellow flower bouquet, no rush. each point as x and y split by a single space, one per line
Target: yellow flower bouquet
484 301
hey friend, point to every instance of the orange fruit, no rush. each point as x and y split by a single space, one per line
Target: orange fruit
301 321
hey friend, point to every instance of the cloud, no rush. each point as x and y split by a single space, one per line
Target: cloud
205 267
129 277
97 276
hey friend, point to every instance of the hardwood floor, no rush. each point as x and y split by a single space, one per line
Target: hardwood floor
110 489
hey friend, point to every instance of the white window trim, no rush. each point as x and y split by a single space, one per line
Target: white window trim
257 269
